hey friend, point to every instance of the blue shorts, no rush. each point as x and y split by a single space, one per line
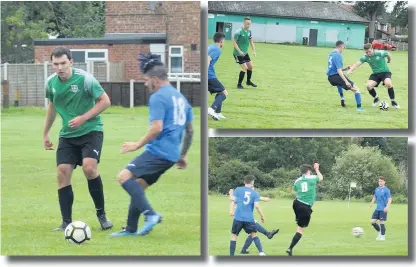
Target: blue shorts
249 227
379 215
149 167
215 86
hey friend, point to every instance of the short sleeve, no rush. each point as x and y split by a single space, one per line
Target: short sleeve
256 198
363 59
93 87
156 107
189 115
388 194
250 36
48 92
338 62
236 35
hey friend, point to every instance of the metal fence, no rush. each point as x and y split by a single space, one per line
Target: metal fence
27 81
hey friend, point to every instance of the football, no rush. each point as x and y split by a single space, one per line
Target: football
357 231
77 232
384 105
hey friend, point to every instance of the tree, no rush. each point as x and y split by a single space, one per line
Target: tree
399 15
370 10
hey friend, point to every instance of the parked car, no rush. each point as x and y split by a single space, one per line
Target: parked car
383 45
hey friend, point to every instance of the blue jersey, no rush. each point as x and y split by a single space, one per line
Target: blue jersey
382 195
334 63
170 106
214 52
245 197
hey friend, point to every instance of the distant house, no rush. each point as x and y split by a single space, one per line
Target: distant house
171 29
311 23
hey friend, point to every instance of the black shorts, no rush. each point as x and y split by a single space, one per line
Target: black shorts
380 77
215 86
242 59
303 213
249 227
74 149
336 80
379 215
149 167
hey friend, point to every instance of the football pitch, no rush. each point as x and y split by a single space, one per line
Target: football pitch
293 91
329 232
29 198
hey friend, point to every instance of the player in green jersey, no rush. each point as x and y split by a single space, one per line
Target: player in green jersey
79 99
381 73
242 39
305 188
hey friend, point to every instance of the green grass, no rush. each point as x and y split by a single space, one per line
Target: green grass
329 232
30 208
293 91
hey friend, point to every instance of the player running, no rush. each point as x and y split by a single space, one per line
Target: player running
383 199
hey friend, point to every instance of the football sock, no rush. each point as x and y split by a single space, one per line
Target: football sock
66 199
391 93
247 244
261 229
258 244
95 186
249 72
295 240
358 99
217 105
232 247
138 198
241 77
132 219
340 92
376 226
372 92
383 229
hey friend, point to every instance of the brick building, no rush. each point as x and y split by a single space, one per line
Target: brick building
171 29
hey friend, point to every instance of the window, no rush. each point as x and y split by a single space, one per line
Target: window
84 55
158 49
176 59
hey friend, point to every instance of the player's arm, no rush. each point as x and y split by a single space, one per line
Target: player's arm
231 194
50 118
388 201
388 57
356 65
252 46
265 199
318 173
257 206
372 201
209 60
232 208
101 103
187 140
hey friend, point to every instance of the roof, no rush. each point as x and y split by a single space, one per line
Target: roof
292 9
109 38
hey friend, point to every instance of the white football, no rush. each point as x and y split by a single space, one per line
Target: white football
384 105
357 231
77 232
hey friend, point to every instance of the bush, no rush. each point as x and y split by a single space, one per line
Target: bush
399 199
277 193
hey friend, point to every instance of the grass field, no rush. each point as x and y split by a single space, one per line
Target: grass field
29 198
329 232
293 91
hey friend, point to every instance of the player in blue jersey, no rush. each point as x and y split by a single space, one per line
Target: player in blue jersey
382 197
170 116
214 85
337 78
245 198
259 227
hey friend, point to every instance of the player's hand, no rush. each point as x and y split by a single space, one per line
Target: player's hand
348 84
371 204
349 73
182 163
266 199
76 122
47 144
241 53
225 92
231 213
231 192
129 147
254 52
316 166
262 219
386 209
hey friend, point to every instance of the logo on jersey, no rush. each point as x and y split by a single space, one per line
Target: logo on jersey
74 88
377 58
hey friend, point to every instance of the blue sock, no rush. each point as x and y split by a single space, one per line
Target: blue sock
247 244
261 229
132 219
383 229
258 244
138 198
358 99
232 247
218 102
341 93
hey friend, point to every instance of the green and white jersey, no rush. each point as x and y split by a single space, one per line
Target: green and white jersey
73 98
377 62
305 188
242 38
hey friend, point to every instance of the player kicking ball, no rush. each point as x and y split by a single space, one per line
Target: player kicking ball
305 188
259 227
337 78
170 116
382 197
381 73
245 198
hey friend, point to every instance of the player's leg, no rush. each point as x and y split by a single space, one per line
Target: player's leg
383 219
221 95
374 218
296 237
240 60
212 89
249 71
235 231
303 217
371 84
91 147
389 85
341 94
250 228
354 88
247 244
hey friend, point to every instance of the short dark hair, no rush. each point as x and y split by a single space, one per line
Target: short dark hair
247 18
60 51
248 179
382 178
218 37
339 43
305 168
368 46
151 65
